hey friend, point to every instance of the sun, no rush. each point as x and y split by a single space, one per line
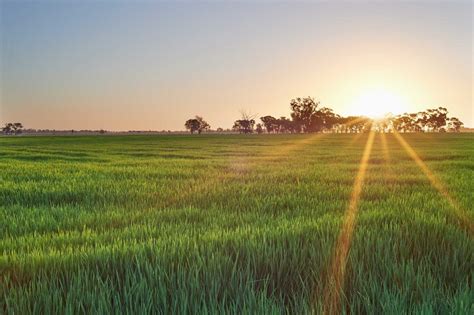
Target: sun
377 103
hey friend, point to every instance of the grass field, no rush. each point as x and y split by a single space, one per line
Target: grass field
237 224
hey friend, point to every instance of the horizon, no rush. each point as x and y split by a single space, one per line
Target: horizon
151 66
340 182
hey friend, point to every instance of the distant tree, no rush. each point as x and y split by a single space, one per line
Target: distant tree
12 128
219 129
403 123
414 124
430 120
245 124
203 125
192 125
303 110
197 124
259 128
438 117
285 125
18 127
454 124
270 123
323 118
350 124
7 130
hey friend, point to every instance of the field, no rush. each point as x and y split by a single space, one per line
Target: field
237 224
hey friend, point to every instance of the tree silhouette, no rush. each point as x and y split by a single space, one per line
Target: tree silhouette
244 125
196 124
454 124
270 123
430 120
323 118
438 118
12 128
192 125
303 110
203 125
8 128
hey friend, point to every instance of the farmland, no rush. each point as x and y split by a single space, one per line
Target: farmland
237 224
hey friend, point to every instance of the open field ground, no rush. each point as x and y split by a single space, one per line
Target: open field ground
237 224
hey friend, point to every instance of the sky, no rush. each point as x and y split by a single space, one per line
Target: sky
149 65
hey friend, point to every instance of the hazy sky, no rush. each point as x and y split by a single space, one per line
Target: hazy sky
151 65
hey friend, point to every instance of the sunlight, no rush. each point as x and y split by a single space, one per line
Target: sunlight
385 151
377 103
334 284
437 184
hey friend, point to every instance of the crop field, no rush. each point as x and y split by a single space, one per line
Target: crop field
322 223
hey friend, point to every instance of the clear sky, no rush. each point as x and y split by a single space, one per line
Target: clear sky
128 65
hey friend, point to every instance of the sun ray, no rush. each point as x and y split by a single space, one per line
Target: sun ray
357 136
334 284
385 151
437 184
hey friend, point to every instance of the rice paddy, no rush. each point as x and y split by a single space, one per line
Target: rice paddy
322 223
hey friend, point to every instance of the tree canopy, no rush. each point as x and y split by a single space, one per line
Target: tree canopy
197 124
307 115
12 128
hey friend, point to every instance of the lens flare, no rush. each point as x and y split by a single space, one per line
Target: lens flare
334 284
377 103
438 185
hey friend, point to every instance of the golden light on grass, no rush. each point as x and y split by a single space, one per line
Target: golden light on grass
335 281
437 184
353 122
286 149
240 166
385 151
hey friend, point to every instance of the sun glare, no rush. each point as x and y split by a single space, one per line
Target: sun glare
377 103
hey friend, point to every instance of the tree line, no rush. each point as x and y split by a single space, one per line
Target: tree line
307 116
12 128
434 120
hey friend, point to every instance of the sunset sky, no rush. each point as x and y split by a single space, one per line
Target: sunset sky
132 65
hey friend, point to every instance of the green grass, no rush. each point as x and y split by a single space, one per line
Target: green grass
234 224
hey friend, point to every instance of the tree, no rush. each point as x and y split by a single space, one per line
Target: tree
192 125
270 123
18 127
323 118
12 128
437 117
454 124
350 124
402 123
7 129
285 125
196 124
203 125
303 110
259 128
430 120
245 124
